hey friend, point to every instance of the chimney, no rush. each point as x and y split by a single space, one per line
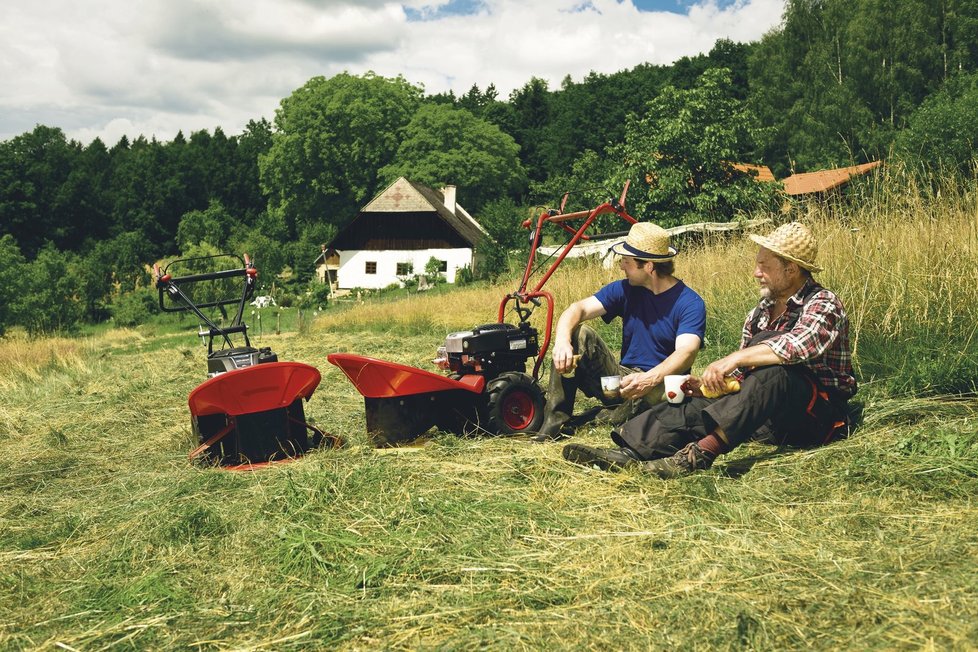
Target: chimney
448 192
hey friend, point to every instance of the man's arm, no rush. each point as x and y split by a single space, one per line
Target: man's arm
813 333
758 355
562 352
640 384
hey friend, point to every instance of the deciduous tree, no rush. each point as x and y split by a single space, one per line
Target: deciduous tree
682 153
444 145
332 137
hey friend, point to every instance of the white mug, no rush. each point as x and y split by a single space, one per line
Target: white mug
673 389
611 387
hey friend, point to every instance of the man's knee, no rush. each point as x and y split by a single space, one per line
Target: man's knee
771 373
775 380
582 336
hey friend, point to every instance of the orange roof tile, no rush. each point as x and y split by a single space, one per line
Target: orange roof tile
763 172
823 180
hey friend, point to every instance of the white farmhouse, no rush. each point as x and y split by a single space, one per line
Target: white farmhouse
397 233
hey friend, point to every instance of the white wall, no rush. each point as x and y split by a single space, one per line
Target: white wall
352 272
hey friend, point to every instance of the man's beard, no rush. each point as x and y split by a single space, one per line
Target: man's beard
765 292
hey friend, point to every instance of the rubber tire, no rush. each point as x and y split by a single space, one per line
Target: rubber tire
515 404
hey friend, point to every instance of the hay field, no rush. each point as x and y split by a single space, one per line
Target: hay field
110 540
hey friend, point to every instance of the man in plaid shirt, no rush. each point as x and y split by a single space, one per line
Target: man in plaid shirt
794 364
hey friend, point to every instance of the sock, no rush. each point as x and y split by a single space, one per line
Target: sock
712 445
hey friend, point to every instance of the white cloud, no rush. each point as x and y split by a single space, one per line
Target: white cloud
111 67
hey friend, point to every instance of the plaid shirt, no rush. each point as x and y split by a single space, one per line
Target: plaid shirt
819 339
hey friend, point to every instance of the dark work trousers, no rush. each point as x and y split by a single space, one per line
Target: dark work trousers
780 405
596 361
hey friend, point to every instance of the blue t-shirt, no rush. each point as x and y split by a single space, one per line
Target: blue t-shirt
651 322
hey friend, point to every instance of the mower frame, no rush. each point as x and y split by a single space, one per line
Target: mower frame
489 394
249 412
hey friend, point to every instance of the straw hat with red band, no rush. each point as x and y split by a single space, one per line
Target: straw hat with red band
794 242
646 241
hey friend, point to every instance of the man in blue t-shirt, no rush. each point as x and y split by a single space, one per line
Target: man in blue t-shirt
663 324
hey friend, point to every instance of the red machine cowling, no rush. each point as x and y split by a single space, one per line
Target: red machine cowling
380 379
262 387
254 414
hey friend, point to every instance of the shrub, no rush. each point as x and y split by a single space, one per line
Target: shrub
134 308
315 296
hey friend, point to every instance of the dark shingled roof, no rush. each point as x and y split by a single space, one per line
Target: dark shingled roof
400 214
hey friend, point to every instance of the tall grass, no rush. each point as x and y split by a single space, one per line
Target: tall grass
27 360
109 539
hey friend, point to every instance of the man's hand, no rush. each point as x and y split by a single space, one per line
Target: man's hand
563 357
759 355
714 376
579 311
692 387
638 384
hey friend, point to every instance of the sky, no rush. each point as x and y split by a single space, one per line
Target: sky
108 68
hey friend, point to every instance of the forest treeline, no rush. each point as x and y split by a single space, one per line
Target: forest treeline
836 83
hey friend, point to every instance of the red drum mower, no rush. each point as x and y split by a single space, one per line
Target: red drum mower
249 412
487 389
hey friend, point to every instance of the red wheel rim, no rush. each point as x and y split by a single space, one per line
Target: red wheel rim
518 410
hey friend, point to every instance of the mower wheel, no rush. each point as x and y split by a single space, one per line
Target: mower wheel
515 404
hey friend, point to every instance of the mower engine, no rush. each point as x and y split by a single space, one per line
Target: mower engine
238 357
489 350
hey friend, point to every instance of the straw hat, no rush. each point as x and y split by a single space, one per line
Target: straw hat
793 242
646 241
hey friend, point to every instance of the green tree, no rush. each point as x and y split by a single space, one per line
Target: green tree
531 106
12 281
592 180
332 137
443 145
685 147
943 132
212 225
53 297
503 221
268 245
113 266
243 196
802 88
33 169
150 187
959 36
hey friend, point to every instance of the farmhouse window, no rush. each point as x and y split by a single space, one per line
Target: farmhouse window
403 269
442 265
371 267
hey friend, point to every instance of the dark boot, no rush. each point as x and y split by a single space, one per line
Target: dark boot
606 459
685 462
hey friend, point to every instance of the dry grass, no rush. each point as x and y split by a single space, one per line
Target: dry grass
26 360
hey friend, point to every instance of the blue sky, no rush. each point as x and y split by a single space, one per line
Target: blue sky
675 6
470 7
107 68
